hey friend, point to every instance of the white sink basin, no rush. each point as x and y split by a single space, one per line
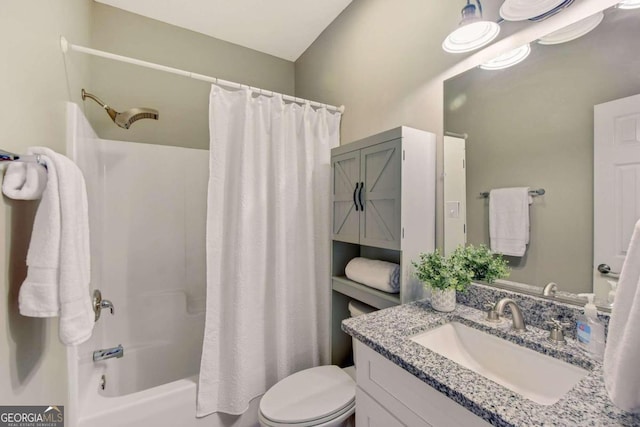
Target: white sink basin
535 376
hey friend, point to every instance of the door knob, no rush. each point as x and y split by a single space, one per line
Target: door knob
606 270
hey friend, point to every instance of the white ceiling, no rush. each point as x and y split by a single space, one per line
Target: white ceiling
283 28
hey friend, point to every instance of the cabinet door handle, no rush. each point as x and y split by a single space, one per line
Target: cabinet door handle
355 190
360 196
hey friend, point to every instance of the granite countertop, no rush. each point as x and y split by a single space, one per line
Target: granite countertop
388 332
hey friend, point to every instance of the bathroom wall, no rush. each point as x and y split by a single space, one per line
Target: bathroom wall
183 103
381 60
35 83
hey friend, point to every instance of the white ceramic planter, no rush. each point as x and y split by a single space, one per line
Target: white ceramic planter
443 300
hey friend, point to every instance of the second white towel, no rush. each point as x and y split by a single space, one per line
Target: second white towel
509 220
622 352
58 259
381 275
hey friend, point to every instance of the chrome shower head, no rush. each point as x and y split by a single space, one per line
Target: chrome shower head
126 118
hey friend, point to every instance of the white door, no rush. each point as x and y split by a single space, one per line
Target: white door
455 194
616 184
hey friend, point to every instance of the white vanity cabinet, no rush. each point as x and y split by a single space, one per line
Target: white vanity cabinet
387 395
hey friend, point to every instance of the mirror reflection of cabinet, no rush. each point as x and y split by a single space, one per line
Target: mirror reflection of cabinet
455 193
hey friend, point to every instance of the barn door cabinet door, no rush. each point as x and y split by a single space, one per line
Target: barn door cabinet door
366 196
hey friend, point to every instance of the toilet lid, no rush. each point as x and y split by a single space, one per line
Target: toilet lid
309 395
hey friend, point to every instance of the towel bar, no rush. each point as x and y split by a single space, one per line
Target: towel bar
6 156
533 193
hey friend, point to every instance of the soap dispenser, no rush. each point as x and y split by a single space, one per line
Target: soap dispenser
590 330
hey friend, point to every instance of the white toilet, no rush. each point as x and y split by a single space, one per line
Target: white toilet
323 396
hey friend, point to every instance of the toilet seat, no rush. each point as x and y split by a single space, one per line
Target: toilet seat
308 398
331 420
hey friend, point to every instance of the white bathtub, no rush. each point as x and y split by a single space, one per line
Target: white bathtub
168 405
153 384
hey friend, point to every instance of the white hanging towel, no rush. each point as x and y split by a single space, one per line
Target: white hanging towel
622 352
58 259
509 220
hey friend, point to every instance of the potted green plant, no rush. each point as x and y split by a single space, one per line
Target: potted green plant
484 264
444 276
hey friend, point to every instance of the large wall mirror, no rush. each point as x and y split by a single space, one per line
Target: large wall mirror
532 125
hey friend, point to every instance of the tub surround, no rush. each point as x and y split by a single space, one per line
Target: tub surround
388 332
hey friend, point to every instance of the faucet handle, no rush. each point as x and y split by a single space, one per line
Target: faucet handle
99 304
557 324
556 332
106 304
492 314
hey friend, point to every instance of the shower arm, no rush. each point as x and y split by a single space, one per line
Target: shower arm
112 113
95 98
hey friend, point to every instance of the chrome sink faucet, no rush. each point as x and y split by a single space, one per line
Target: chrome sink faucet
516 313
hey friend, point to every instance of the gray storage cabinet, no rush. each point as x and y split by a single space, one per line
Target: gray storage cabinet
383 207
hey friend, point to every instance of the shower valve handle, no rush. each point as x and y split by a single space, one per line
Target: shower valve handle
99 304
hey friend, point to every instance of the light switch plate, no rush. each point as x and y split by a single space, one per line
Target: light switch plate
453 209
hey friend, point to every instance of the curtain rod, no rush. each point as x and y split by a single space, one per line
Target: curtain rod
66 46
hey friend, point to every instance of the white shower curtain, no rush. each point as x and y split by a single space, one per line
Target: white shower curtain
268 239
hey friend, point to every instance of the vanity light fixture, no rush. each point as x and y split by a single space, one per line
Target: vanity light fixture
573 31
472 32
629 4
508 59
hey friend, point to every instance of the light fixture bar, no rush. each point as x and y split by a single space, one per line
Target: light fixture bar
508 59
629 4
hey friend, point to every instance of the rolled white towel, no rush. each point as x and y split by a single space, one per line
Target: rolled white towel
381 275
24 181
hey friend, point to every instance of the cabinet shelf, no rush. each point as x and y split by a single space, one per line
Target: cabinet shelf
366 294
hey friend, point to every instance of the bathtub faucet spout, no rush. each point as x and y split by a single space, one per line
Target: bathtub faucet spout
108 353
